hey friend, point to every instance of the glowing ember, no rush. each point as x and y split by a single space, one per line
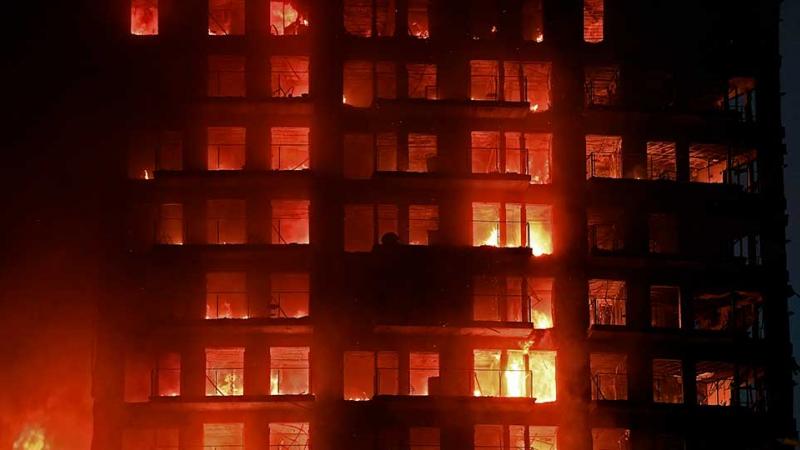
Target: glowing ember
144 18
494 238
515 376
284 19
540 241
539 37
146 174
535 107
541 320
31 438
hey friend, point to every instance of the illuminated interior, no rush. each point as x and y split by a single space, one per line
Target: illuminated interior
144 17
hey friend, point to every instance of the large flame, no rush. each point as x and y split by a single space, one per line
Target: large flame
515 378
543 370
285 18
31 438
494 238
541 321
540 240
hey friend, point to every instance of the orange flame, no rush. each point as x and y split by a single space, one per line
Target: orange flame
31 438
540 240
285 18
144 20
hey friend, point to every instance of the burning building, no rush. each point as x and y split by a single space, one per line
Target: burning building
449 224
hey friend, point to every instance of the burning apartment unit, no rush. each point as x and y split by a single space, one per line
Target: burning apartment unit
448 224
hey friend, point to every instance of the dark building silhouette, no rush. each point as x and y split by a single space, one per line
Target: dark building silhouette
447 224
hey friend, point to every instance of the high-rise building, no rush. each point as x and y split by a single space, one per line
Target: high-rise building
449 224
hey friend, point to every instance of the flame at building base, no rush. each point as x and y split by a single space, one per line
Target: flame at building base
31 438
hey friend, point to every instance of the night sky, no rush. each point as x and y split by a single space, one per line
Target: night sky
790 78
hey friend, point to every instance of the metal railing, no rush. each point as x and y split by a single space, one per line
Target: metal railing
715 392
165 382
607 311
493 158
609 386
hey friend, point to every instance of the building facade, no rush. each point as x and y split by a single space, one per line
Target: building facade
448 224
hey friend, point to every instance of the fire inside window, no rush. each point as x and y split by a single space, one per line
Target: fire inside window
603 156
667 381
532 21
289 148
367 374
226 295
715 383
422 81
289 371
607 302
170 228
288 17
289 295
512 152
731 311
289 76
601 86
609 376
513 299
511 81
661 161
357 79
226 17
532 437
514 373
418 25
144 17
593 12
226 148
226 221
289 436
367 18
224 372
513 225
226 76
289 221
708 163
149 438
229 436
168 375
